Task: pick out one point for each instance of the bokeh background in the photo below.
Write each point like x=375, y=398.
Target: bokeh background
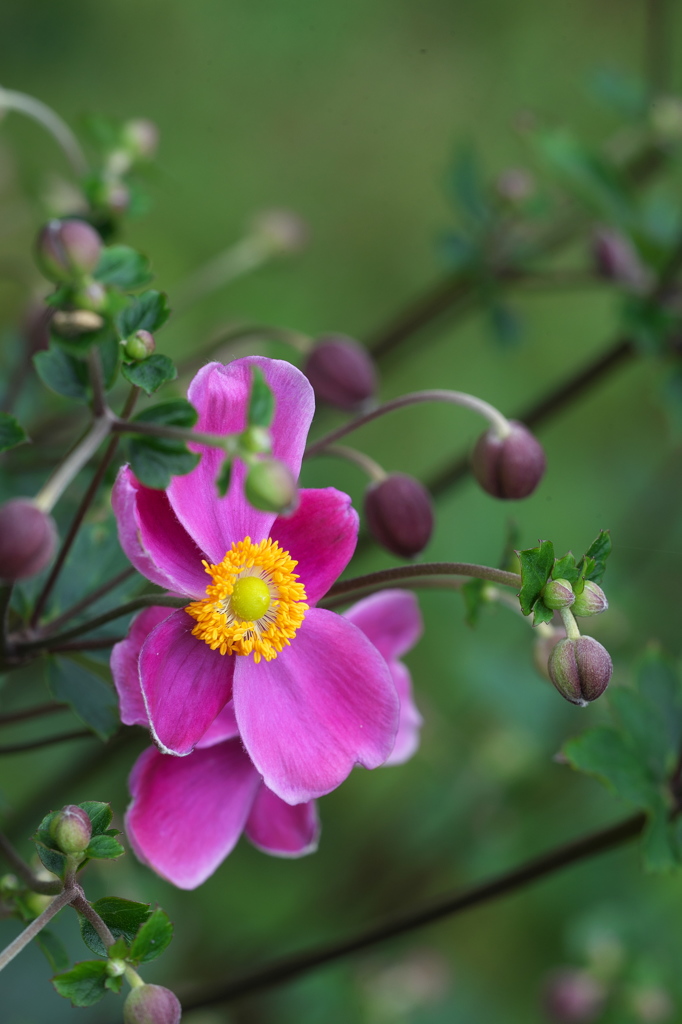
x=351, y=114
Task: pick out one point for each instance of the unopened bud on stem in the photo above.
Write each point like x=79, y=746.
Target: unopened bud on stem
x=399, y=514
x=140, y=345
x=558, y=594
x=68, y=250
x=151, y=1004
x=592, y=601
x=28, y=537
x=580, y=669
x=341, y=372
x=71, y=829
x=510, y=466
x=271, y=487
x=141, y=138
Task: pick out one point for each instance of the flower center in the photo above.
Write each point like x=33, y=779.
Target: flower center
x=254, y=603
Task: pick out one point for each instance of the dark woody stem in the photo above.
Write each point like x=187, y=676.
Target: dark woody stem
x=90, y=599
x=406, y=572
x=532, y=871
x=18, y=864
x=47, y=741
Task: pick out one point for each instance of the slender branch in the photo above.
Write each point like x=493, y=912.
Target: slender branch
x=44, y=115
x=81, y=905
x=99, y=644
x=47, y=741
x=18, y=864
x=92, y=598
x=35, y=712
x=373, y=470
x=532, y=871
x=35, y=927
x=405, y=572
x=73, y=463
x=226, y=441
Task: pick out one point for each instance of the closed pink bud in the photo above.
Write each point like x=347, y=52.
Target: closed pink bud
x=573, y=997
x=140, y=345
x=509, y=467
x=28, y=537
x=592, y=601
x=141, y=137
x=68, y=250
x=71, y=829
x=617, y=260
x=399, y=514
x=151, y=1004
x=341, y=372
x=580, y=669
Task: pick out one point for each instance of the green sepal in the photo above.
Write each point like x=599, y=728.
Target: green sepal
x=100, y=815
x=536, y=566
x=105, y=847
x=222, y=481
x=152, y=939
x=149, y=374
x=593, y=563
x=473, y=593
x=115, y=983
x=565, y=568
x=90, y=698
x=11, y=432
x=123, y=268
x=541, y=613
x=53, y=949
x=124, y=918
x=146, y=312
x=261, y=401
x=85, y=984
x=48, y=851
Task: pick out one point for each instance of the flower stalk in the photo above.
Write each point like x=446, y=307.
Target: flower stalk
x=51, y=122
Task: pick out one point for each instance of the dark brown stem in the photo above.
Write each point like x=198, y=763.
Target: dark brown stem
x=99, y=644
x=90, y=599
x=35, y=712
x=22, y=748
x=18, y=864
x=532, y=871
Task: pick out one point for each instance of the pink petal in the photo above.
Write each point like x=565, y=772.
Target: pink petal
x=220, y=394
x=153, y=539
x=326, y=703
x=125, y=668
x=390, y=619
x=188, y=813
x=184, y=683
x=282, y=830
x=224, y=727
x=321, y=535
x=407, y=740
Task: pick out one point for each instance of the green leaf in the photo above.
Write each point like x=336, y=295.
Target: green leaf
x=11, y=432
x=119, y=950
x=114, y=983
x=177, y=412
x=659, y=843
x=473, y=593
x=124, y=918
x=469, y=187
x=62, y=373
x=604, y=752
x=541, y=613
x=599, y=550
x=54, y=949
x=146, y=312
x=104, y=848
x=644, y=727
x=124, y=268
x=658, y=680
x=155, y=461
x=222, y=481
x=565, y=568
x=261, y=401
x=536, y=566
x=85, y=984
x=151, y=373
x=100, y=815
x=52, y=858
x=88, y=696
x=152, y=939
x=110, y=352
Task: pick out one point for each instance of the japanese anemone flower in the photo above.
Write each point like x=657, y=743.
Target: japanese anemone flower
x=187, y=813
x=311, y=695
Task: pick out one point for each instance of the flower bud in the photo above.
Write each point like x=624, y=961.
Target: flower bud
x=580, y=669
x=271, y=487
x=514, y=185
x=141, y=137
x=151, y=1004
x=399, y=514
x=592, y=601
x=91, y=297
x=140, y=345
x=511, y=466
x=28, y=537
x=558, y=594
x=71, y=829
x=617, y=260
x=341, y=372
x=68, y=250
x=283, y=230
x=573, y=997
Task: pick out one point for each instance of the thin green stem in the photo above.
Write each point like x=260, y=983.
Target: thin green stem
x=406, y=572
x=81, y=905
x=18, y=864
x=51, y=492
x=498, y=422
x=45, y=116
x=34, y=928
x=373, y=470
x=570, y=625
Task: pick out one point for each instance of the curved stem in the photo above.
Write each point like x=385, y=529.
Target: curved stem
x=47, y=741
x=406, y=572
x=374, y=471
x=499, y=423
x=44, y=115
x=570, y=625
x=35, y=712
x=81, y=905
x=51, y=492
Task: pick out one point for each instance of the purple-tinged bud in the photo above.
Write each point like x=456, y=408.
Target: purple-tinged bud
x=558, y=594
x=509, y=467
x=341, y=372
x=616, y=259
x=140, y=345
x=573, y=997
x=68, y=250
x=271, y=487
x=283, y=230
x=28, y=537
x=92, y=297
x=141, y=137
x=71, y=829
x=151, y=1004
x=515, y=185
x=399, y=514
x=580, y=669
x=592, y=601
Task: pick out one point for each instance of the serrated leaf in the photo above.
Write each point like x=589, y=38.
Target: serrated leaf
x=88, y=696
x=177, y=412
x=124, y=918
x=565, y=568
x=146, y=312
x=85, y=984
x=536, y=566
x=104, y=848
x=605, y=753
x=123, y=267
x=541, y=613
x=151, y=373
x=153, y=938
x=598, y=551
x=11, y=432
x=222, y=481
x=62, y=373
x=261, y=401
x=100, y=815
x=473, y=594
x=53, y=949
x=156, y=461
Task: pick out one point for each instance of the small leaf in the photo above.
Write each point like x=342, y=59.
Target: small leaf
x=598, y=551
x=605, y=753
x=152, y=939
x=85, y=984
x=536, y=566
x=565, y=568
x=146, y=312
x=114, y=983
x=52, y=858
x=469, y=187
x=104, y=848
x=11, y=432
x=541, y=613
x=119, y=950
x=222, y=481
x=62, y=373
x=155, y=461
x=54, y=949
x=110, y=352
x=658, y=680
x=659, y=845
x=88, y=696
x=100, y=815
x=124, y=268
x=261, y=401
x=174, y=413
x=124, y=918
x=473, y=594
x=506, y=325
x=151, y=373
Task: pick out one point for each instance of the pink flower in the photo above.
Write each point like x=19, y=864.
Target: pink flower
x=187, y=813
x=310, y=695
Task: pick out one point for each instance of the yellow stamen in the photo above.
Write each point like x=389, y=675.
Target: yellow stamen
x=254, y=604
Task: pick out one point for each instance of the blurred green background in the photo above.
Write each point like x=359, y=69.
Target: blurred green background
x=350, y=114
